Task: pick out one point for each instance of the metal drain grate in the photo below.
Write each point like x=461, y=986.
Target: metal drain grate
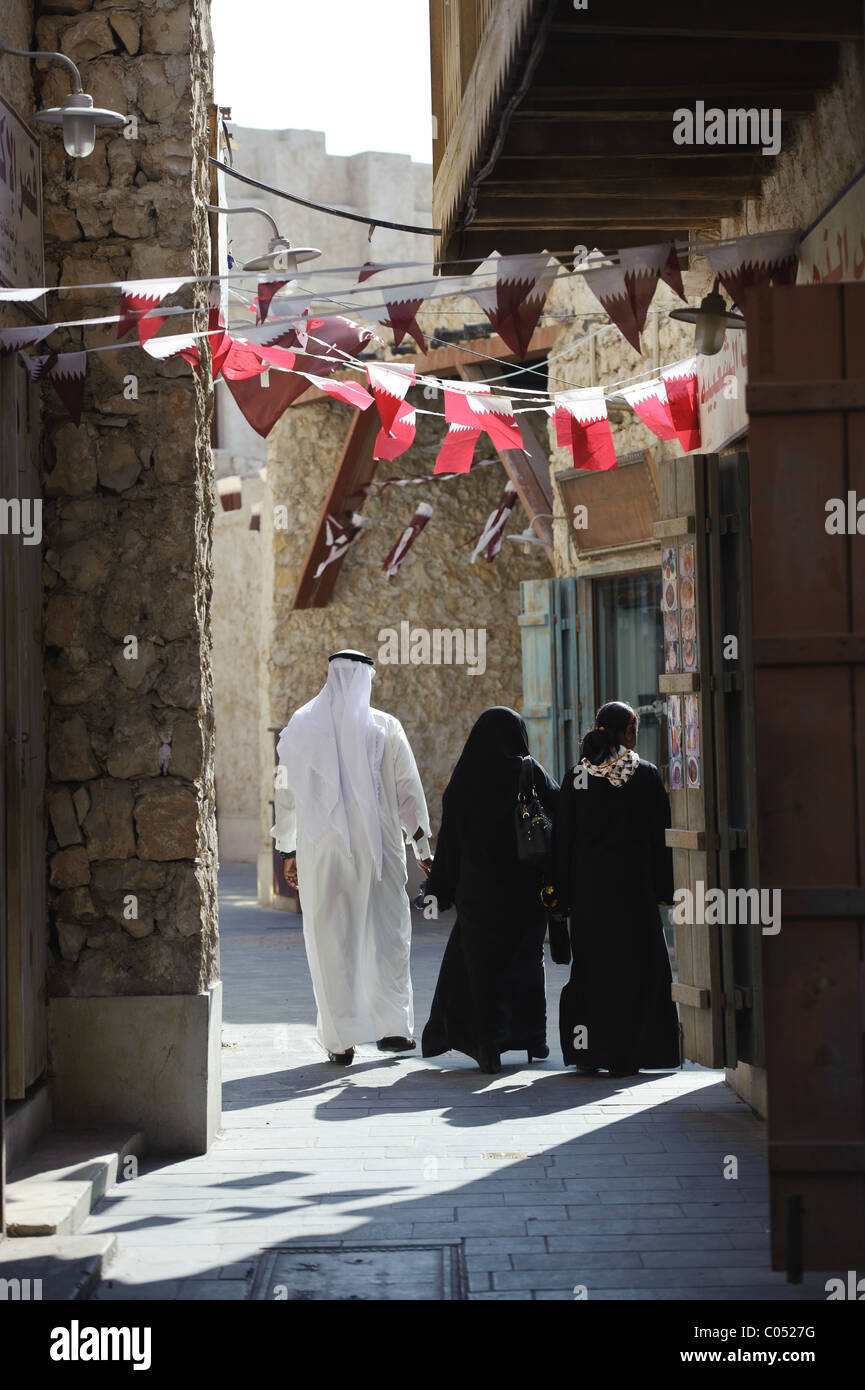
x=378, y=1273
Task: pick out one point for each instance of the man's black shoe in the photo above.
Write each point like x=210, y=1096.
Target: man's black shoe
x=396, y=1044
x=342, y=1059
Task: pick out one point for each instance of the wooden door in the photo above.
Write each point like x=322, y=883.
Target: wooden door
x=549, y=631
x=24, y=879
x=806, y=402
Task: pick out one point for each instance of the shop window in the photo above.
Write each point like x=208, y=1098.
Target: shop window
x=629, y=655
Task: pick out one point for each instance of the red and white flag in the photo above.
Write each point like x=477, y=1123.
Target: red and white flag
x=390, y=387
x=458, y=446
x=66, y=372
x=680, y=381
x=138, y=298
x=756, y=260
x=649, y=401
x=478, y=408
x=391, y=443
x=266, y=290
x=351, y=392
x=401, y=320
x=14, y=339
x=582, y=425
x=644, y=266
x=40, y=367
x=516, y=301
x=609, y=285
x=399, y=551
x=339, y=534
x=489, y=541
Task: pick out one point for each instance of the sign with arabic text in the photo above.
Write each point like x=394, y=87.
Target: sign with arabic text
x=721, y=382
x=21, y=255
x=834, y=249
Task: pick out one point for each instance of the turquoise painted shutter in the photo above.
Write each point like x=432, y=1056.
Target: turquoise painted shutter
x=548, y=631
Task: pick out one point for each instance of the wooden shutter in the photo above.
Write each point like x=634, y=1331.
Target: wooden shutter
x=806, y=402
x=549, y=627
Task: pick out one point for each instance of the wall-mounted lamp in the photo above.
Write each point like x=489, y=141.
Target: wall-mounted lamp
x=77, y=117
x=713, y=318
x=280, y=255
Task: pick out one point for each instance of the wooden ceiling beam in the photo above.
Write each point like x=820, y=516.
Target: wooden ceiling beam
x=604, y=139
x=559, y=211
x=831, y=21
x=694, y=64
x=694, y=165
x=685, y=189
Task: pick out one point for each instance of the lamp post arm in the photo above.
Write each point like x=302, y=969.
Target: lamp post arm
x=57, y=58
x=214, y=207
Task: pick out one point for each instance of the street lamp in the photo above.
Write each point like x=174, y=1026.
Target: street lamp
x=280, y=255
x=713, y=318
x=77, y=117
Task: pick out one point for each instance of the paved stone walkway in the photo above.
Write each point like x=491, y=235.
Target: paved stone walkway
x=531, y=1183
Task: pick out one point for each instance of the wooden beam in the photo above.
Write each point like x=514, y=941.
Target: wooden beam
x=830, y=21
x=602, y=139
x=531, y=209
x=688, y=63
x=529, y=472
x=597, y=189
x=704, y=162
x=356, y=467
x=475, y=246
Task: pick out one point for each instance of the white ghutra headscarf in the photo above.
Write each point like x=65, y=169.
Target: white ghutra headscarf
x=332, y=750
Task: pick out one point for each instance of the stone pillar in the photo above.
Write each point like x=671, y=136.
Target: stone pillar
x=134, y=998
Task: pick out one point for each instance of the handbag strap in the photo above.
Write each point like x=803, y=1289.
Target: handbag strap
x=527, y=778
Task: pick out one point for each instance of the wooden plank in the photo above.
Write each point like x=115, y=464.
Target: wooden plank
x=354, y=468
x=796, y=20
x=673, y=526
x=655, y=62
x=690, y=995
x=810, y=649
x=775, y=397
x=530, y=207
x=678, y=682
x=685, y=839
x=621, y=186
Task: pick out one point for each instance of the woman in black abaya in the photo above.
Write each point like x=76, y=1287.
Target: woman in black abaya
x=613, y=867
x=490, y=995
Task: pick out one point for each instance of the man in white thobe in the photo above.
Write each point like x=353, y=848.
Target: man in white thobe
x=350, y=789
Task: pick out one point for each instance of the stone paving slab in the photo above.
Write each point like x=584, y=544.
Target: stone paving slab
x=543, y=1179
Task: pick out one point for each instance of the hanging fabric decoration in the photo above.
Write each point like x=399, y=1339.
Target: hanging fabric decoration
x=479, y=408
x=338, y=535
x=14, y=339
x=183, y=345
x=582, y=425
x=643, y=267
x=255, y=517
x=489, y=542
x=399, y=551
x=261, y=405
x=137, y=300
x=649, y=401
x=680, y=381
x=756, y=260
x=401, y=320
x=390, y=387
x=516, y=302
x=609, y=285
x=266, y=290
x=66, y=372
x=244, y=361
x=230, y=492
x=351, y=392
x=217, y=334
x=458, y=446
x=391, y=443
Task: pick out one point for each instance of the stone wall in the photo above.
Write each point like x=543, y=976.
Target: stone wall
x=128, y=523
x=436, y=587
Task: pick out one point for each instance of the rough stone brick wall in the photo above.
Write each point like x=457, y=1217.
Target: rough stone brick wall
x=128, y=521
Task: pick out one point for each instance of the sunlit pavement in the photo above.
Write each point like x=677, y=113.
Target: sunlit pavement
x=404, y=1178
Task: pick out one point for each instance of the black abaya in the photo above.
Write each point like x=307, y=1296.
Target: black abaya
x=490, y=996
x=613, y=868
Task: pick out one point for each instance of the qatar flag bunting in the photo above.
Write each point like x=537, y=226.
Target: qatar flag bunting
x=756, y=260
x=401, y=320
x=458, y=446
x=338, y=535
x=13, y=339
x=243, y=361
x=680, y=381
x=230, y=492
x=482, y=410
x=39, y=367
x=67, y=378
x=217, y=334
x=389, y=386
x=649, y=401
x=643, y=267
x=516, y=302
x=609, y=285
x=391, y=443
x=582, y=426
x=274, y=356
x=351, y=392
x=490, y=540
x=399, y=551
x=266, y=290
x=255, y=517
x=137, y=299
x=335, y=340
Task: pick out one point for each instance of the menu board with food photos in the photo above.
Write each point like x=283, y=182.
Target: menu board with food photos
x=674, y=738
x=692, y=740
x=670, y=608
x=688, y=605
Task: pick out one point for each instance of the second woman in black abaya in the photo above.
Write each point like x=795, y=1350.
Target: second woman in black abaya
x=490, y=997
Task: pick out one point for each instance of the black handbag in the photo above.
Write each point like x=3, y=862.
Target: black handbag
x=534, y=827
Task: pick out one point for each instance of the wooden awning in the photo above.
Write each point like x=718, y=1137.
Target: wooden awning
x=564, y=134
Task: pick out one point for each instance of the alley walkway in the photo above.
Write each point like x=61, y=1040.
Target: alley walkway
x=426, y=1180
